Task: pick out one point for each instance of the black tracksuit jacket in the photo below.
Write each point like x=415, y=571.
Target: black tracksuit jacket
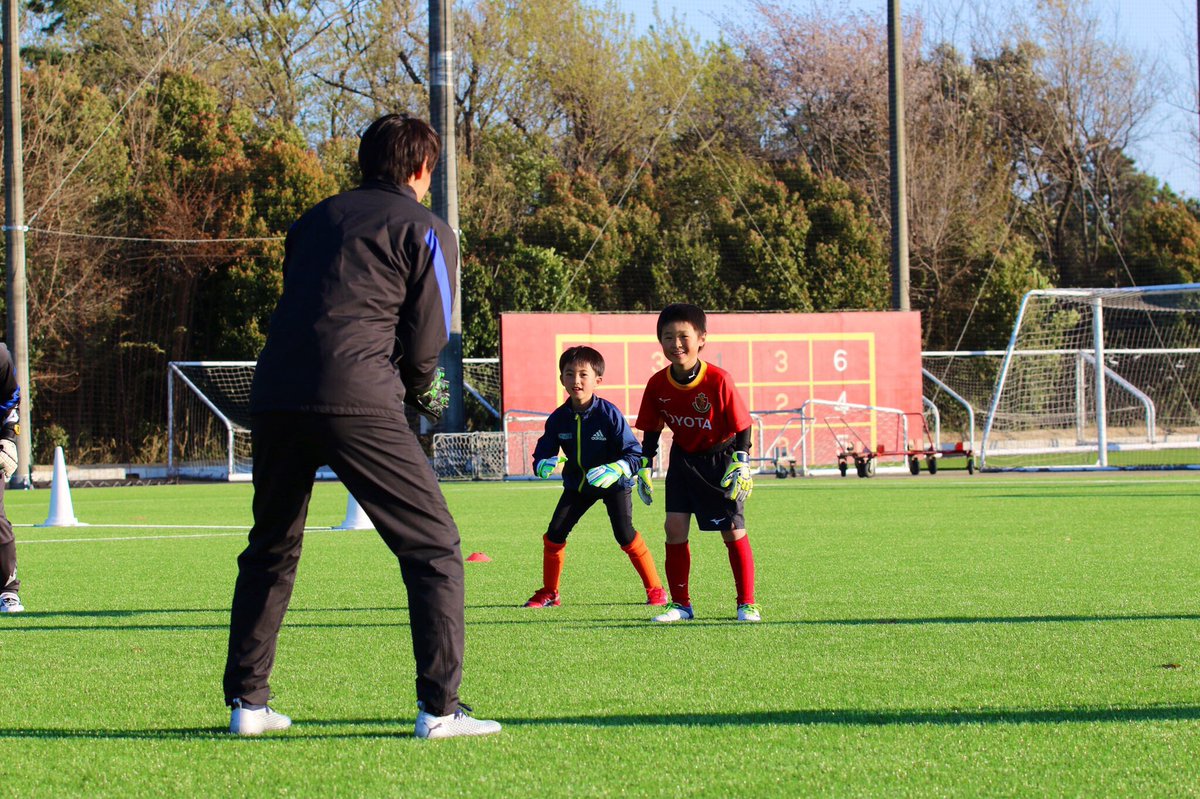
x=368, y=282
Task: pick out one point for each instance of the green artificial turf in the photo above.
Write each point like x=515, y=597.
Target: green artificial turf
x=923, y=636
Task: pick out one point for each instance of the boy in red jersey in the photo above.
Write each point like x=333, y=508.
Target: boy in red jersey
x=709, y=474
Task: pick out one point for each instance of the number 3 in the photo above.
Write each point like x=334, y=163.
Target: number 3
x=781, y=364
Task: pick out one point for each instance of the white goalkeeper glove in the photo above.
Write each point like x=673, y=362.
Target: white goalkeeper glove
x=546, y=466
x=737, y=482
x=645, y=483
x=8, y=458
x=604, y=476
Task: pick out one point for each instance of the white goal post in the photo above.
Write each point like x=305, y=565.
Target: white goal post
x=1099, y=378
x=208, y=419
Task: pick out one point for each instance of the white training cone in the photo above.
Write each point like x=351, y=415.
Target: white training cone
x=62, y=514
x=356, y=517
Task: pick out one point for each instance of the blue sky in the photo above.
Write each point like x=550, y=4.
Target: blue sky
x=1160, y=30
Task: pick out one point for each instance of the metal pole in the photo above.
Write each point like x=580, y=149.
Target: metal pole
x=900, y=300
x=14, y=237
x=444, y=190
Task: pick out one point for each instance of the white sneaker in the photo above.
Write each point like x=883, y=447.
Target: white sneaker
x=749, y=612
x=676, y=612
x=452, y=726
x=255, y=722
x=10, y=603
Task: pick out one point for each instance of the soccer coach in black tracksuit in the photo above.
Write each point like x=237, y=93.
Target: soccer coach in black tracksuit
x=368, y=279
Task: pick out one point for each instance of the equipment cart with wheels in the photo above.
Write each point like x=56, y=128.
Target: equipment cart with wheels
x=913, y=444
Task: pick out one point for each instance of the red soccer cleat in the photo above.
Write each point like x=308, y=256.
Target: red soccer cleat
x=656, y=596
x=543, y=598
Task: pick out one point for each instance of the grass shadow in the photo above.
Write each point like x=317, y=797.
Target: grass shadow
x=853, y=717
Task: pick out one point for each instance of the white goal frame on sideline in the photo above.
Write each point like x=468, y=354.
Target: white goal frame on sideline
x=230, y=470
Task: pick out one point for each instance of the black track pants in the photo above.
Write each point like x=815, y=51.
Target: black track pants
x=381, y=463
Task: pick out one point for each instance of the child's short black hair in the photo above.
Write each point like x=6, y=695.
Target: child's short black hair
x=683, y=312
x=585, y=355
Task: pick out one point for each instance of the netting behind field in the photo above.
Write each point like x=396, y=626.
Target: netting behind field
x=1048, y=410
x=959, y=385
x=481, y=392
x=209, y=419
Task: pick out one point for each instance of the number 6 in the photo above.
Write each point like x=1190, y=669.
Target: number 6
x=839, y=360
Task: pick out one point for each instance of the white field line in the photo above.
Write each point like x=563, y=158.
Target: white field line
x=243, y=531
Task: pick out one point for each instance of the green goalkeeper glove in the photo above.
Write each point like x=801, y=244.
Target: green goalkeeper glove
x=604, y=476
x=546, y=466
x=737, y=482
x=436, y=398
x=645, y=483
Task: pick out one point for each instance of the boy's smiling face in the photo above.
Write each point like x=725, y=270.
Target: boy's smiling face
x=681, y=344
x=580, y=381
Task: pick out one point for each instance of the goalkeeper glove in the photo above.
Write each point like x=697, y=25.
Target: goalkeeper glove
x=604, y=476
x=8, y=458
x=645, y=484
x=436, y=398
x=737, y=481
x=546, y=466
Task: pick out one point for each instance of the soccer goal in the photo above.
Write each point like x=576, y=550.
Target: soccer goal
x=1099, y=378
x=208, y=419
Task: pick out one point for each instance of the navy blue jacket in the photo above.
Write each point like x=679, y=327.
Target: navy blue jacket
x=10, y=394
x=597, y=436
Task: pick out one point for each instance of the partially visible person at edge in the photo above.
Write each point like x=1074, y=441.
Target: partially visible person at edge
x=368, y=277
x=10, y=396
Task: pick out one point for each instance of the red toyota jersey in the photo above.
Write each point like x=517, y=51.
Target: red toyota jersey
x=701, y=414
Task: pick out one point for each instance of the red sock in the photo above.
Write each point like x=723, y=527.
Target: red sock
x=643, y=561
x=741, y=560
x=678, y=566
x=552, y=563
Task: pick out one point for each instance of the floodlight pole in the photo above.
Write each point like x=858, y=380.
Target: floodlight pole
x=900, y=283
x=14, y=238
x=444, y=191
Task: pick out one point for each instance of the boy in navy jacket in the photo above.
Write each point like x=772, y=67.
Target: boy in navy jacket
x=601, y=459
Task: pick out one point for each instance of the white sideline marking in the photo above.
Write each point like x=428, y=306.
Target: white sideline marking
x=243, y=532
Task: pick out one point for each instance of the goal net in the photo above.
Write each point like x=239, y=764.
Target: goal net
x=208, y=410
x=1099, y=378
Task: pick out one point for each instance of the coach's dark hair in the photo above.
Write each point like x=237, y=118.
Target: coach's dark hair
x=683, y=312
x=586, y=355
x=395, y=147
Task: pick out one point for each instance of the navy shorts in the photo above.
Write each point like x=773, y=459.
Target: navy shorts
x=694, y=486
